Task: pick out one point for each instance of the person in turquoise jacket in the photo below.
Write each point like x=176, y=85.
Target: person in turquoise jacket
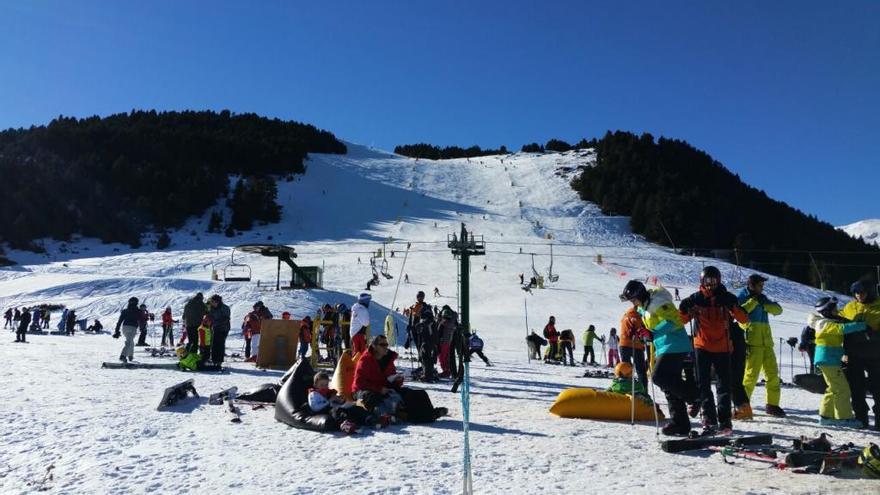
x=759, y=338
x=671, y=347
x=830, y=327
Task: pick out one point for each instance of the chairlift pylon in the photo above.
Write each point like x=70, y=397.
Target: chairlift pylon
x=236, y=272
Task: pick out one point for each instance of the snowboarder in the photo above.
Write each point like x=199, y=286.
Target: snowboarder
x=360, y=322
x=863, y=354
x=24, y=321
x=613, y=348
x=632, y=345
x=761, y=355
x=168, y=322
x=193, y=312
x=589, y=337
x=221, y=316
x=552, y=337
x=831, y=328
x=566, y=343
x=711, y=308
x=475, y=346
x=671, y=346
x=129, y=319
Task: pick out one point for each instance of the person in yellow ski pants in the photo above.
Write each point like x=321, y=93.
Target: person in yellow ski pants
x=761, y=356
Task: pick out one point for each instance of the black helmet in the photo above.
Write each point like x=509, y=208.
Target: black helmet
x=710, y=272
x=825, y=305
x=634, y=290
x=132, y=301
x=420, y=294
x=858, y=287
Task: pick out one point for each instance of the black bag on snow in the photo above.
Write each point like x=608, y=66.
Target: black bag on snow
x=417, y=405
x=267, y=392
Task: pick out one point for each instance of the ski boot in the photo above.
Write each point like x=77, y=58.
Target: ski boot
x=674, y=429
x=693, y=410
x=743, y=413
x=774, y=411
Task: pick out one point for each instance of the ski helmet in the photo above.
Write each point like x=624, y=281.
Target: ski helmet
x=181, y=352
x=710, y=272
x=634, y=289
x=826, y=305
x=132, y=300
x=420, y=294
x=623, y=370
x=869, y=459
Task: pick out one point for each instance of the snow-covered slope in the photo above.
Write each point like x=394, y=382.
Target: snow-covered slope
x=869, y=230
x=101, y=430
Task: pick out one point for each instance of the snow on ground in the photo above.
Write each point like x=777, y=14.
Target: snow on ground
x=869, y=230
x=101, y=431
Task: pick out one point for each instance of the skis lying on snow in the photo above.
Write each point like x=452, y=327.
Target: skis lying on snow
x=227, y=396
x=176, y=393
x=685, y=444
x=799, y=461
x=598, y=374
x=147, y=366
x=217, y=398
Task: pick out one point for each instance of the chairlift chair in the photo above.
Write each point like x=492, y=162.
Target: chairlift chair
x=236, y=272
x=550, y=275
x=384, y=269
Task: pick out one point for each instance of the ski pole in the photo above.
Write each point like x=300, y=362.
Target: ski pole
x=632, y=391
x=780, y=358
x=654, y=400
x=526, y=306
x=791, y=363
x=806, y=368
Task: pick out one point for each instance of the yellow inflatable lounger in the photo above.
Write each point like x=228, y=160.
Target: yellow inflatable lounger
x=588, y=403
x=343, y=377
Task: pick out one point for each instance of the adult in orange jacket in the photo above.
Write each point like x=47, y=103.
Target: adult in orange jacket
x=711, y=309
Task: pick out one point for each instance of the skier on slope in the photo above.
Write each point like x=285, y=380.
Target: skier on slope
x=168, y=322
x=193, y=312
x=23, y=321
x=863, y=351
x=129, y=319
x=221, y=316
x=475, y=346
x=761, y=355
x=711, y=308
x=671, y=346
x=831, y=328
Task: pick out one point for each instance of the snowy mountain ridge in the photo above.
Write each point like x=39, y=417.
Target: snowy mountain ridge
x=868, y=229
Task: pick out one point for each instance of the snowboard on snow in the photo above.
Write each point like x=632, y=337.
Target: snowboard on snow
x=686, y=444
x=598, y=374
x=176, y=393
x=218, y=398
x=810, y=382
x=143, y=366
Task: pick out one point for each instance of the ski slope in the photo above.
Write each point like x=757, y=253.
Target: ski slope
x=869, y=230
x=101, y=432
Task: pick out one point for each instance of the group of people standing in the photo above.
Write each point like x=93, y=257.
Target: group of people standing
x=561, y=345
x=36, y=319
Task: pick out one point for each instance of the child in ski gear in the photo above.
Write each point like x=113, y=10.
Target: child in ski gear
x=305, y=336
x=613, y=346
x=808, y=345
x=632, y=345
x=761, y=355
x=142, y=325
x=589, y=337
x=475, y=346
x=360, y=322
x=168, y=327
x=206, y=335
x=23, y=321
x=711, y=309
x=830, y=327
x=129, y=319
x=623, y=383
x=863, y=351
x=251, y=326
x=671, y=345
x=566, y=346
x=323, y=399
x=552, y=337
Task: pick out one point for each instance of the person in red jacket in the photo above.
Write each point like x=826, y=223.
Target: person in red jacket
x=168, y=327
x=305, y=336
x=552, y=337
x=376, y=380
x=711, y=309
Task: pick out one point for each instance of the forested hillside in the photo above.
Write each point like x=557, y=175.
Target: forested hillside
x=118, y=176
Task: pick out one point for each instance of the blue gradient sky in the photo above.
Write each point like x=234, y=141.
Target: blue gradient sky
x=787, y=95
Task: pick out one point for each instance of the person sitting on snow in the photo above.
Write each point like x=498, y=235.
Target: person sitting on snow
x=376, y=381
x=323, y=399
x=623, y=383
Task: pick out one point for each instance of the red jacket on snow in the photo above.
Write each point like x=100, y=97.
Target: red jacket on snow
x=551, y=334
x=369, y=376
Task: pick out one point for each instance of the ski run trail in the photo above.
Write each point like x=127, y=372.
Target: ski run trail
x=102, y=433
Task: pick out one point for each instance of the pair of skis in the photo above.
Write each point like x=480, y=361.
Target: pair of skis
x=807, y=462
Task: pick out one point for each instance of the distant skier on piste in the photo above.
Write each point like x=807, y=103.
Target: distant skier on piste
x=552, y=336
x=23, y=322
x=129, y=319
x=711, y=309
x=671, y=345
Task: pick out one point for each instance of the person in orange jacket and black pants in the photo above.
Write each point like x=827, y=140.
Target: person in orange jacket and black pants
x=632, y=345
x=711, y=308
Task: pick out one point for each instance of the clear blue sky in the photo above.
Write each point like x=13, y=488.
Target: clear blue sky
x=784, y=93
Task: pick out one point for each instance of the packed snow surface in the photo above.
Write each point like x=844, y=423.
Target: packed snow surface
x=102, y=433
x=869, y=230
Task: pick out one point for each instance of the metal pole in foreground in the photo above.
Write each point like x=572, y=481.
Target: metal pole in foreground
x=528, y=349
x=464, y=247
